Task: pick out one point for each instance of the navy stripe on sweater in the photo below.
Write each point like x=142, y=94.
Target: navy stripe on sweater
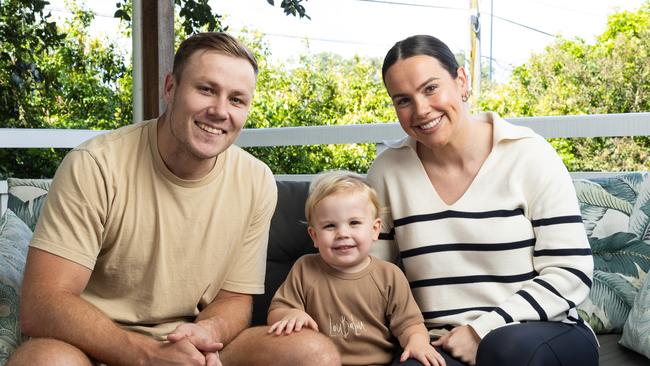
x=577, y=320
x=583, y=277
x=439, y=313
x=538, y=308
x=479, y=247
x=458, y=214
x=504, y=315
x=553, y=290
x=557, y=220
x=448, y=327
x=387, y=236
x=473, y=279
x=562, y=252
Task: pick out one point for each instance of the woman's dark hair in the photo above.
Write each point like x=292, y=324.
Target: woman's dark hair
x=421, y=45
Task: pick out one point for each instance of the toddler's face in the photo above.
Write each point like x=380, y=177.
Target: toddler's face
x=343, y=228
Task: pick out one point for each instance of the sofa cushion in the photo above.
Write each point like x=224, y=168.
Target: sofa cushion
x=288, y=241
x=616, y=215
x=26, y=198
x=14, y=239
x=636, y=333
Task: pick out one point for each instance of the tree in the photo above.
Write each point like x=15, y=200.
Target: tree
x=322, y=89
x=25, y=35
x=197, y=15
x=572, y=77
x=60, y=77
x=56, y=77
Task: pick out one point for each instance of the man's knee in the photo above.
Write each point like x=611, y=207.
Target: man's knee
x=302, y=348
x=47, y=351
x=317, y=349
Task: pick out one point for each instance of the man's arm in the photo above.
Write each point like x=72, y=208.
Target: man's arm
x=221, y=321
x=51, y=306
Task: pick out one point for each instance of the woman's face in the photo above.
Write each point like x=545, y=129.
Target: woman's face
x=427, y=99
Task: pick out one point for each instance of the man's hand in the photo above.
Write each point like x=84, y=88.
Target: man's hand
x=293, y=321
x=182, y=352
x=462, y=343
x=201, y=339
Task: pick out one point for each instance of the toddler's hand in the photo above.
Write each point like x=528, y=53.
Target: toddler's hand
x=293, y=321
x=423, y=352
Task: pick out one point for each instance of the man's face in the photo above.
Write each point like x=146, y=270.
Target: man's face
x=209, y=104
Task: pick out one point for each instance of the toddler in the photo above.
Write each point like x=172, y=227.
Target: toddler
x=360, y=302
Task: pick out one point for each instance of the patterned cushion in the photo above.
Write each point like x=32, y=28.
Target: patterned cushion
x=616, y=215
x=14, y=238
x=26, y=198
x=636, y=333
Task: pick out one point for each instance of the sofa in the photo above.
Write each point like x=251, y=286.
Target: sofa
x=615, y=210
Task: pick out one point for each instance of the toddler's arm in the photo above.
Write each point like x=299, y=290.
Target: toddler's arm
x=289, y=320
x=415, y=341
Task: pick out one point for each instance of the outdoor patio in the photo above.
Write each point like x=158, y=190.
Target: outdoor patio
x=603, y=125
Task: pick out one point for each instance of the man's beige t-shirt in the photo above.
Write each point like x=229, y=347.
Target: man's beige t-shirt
x=159, y=247
x=362, y=312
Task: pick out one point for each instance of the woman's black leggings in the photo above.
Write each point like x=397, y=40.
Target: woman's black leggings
x=532, y=344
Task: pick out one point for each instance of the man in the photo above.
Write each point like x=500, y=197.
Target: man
x=153, y=237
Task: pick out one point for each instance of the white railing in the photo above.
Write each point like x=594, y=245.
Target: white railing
x=598, y=125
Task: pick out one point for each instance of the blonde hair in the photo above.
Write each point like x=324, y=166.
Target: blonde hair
x=336, y=181
x=220, y=42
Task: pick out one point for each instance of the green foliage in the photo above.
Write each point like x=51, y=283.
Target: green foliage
x=614, y=295
x=292, y=7
x=61, y=77
x=25, y=35
x=321, y=89
x=72, y=81
x=621, y=252
x=572, y=77
x=197, y=16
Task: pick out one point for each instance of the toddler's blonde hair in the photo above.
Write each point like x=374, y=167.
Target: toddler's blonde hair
x=335, y=181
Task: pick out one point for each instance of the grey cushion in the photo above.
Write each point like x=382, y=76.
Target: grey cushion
x=14, y=239
x=636, y=333
x=288, y=241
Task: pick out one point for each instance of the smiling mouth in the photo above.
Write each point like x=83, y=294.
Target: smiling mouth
x=432, y=124
x=209, y=129
x=345, y=247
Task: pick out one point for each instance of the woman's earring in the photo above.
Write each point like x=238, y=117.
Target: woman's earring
x=464, y=98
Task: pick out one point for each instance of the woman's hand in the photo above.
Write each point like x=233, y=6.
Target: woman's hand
x=462, y=343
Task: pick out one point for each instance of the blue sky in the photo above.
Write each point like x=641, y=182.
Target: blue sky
x=369, y=28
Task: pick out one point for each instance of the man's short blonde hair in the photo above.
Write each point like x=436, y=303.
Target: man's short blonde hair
x=336, y=181
x=219, y=42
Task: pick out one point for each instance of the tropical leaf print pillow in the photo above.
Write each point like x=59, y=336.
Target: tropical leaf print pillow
x=636, y=333
x=26, y=198
x=616, y=215
x=14, y=238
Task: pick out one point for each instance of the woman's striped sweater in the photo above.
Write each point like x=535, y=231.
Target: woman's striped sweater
x=513, y=248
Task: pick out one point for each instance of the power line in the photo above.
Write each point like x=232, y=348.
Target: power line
x=323, y=39
x=455, y=8
x=411, y=4
x=522, y=25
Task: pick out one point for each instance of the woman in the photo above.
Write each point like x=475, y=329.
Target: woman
x=485, y=219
